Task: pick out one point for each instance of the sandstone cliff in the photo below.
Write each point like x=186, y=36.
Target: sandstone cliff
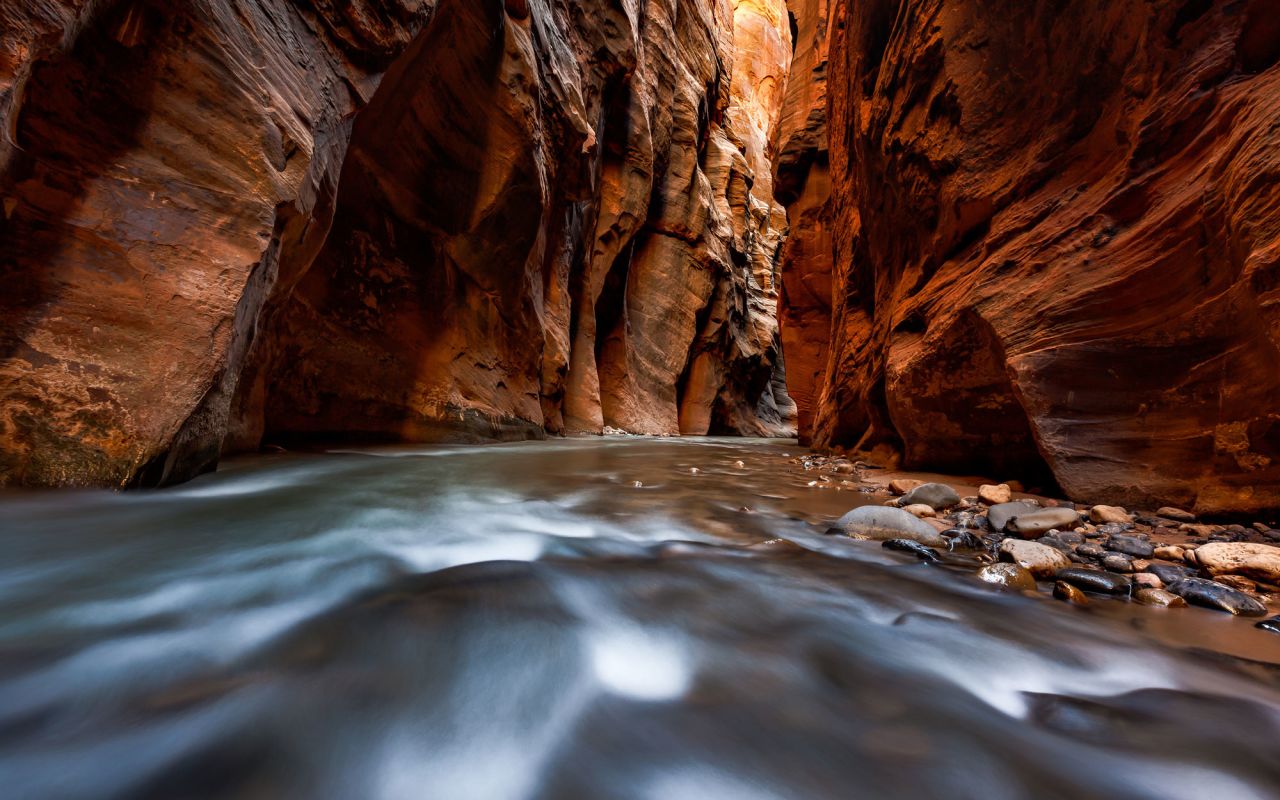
x=407, y=219
x=1054, y=242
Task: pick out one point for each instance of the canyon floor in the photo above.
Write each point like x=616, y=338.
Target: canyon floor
x=622, y=617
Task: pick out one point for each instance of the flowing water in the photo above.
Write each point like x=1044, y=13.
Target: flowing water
x=578, y=619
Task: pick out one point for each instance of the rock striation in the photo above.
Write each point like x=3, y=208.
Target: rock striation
x=1041, y=237
x=284, y=220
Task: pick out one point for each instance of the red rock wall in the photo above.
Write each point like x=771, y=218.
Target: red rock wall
x=410, y=219
x=1055, y=243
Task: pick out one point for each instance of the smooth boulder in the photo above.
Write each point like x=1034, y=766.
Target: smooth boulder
x=1103, y=514
x=885, y=522
x=1038, y=523
x=1209, y=594
x=933, y=495
x=999, y=515
x=1258, y=561
x=1040, y=560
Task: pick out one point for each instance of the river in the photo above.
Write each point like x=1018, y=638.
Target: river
x=582, y=618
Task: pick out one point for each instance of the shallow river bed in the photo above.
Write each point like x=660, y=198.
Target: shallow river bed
x=579, y=619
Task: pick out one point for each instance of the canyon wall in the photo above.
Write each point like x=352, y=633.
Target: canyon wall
x=1052, y=241
x=278, y=220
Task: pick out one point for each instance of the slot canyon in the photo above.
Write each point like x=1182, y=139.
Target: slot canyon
x=640, y=398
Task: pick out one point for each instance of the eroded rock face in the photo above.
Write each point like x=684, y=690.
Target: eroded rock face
x=1055, y=231
x=411, y=219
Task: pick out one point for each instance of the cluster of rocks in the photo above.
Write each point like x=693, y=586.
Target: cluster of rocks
x=1165, y=559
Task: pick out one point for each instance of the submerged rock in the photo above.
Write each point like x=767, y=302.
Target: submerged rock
x=885, y=522
x=934, y=495
x=1095, y=580
x=1008, y=575
x=1040, y=559
x=1272, y=624
x=910, y=546
x=1209, y=594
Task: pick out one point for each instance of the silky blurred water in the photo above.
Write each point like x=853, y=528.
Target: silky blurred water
x=578, y=619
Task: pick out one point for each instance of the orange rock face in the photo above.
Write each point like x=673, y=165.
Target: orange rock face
x=1055, y=243
x=411, y=220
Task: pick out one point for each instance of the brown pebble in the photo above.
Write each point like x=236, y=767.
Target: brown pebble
x=1158, y=597
x=1067, y=592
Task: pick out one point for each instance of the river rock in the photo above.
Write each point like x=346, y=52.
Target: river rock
x=1169, y=573
x=1201, y=592
x=1175, y=514
x=1117, y=562
x=1272, y=624
x=1148, y=596
x=884, y=522
x=1101, y=514
x=1169, y=552
x=1091, y=550
x=1010, y=576
x=903, y=485
x=1130, y=546
x=913, y=547
x=1095, y=580
x=1038, y=523
x=994, y=495
x=920, y=510
x=1237, y=582
x=998, y=516
x=1257, y=561
x=1041, y=560
x=1065, y=591
x=1148, y=580
x=934, y=495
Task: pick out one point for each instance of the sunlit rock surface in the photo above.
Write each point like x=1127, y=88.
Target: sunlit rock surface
x=280, y=219
x=1054, y=232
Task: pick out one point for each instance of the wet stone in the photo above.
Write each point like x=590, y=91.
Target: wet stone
x=884, y=522
x=1043, y=561
x=1095, y=580
x=1148, y=596
x=1169, y=573
x=1130, y=546
x=913, y=547
x=1117, y=562
x=1010, y=576
x=1209, y=594
x=1272, y=624
x=1091, y=550
x=1065, y=591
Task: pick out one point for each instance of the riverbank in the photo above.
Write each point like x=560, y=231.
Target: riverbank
x=1077, y=553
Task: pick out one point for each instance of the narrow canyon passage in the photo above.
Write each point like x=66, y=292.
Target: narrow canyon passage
x=639, y=399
